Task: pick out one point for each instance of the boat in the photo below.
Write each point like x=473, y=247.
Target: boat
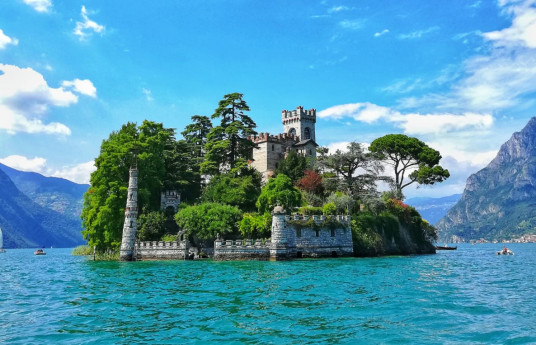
x=2, y=250
x=505, y=251
x=40, y=252
x=445, y=247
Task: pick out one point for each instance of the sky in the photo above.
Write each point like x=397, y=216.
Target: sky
x=458, y=75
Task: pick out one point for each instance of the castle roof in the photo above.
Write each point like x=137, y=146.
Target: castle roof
x=305, y=142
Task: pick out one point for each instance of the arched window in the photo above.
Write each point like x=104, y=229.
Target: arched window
x=306, y=133
x=292, y=131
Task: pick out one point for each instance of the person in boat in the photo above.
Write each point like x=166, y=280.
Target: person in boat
x=505, y=250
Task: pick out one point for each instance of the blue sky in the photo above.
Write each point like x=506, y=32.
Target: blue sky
x=459, y=75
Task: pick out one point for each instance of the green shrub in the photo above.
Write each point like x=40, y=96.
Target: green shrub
x=310, y=210
x=329, y=209
x=83, y=250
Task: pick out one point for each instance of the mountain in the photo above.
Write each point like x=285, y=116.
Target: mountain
x=57, y=194
x=433, y=209
x=499, y=201
x=26, y=223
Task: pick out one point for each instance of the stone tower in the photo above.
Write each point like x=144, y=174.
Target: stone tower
x=300, y=122
x=130, y=227
x=283, y=244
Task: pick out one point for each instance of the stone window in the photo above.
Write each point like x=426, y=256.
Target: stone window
x=272, y=147
x=332, y=232
x=292, y=131
x=317, y=233
x=298, y=232
x=306, y=133
x=276, y=165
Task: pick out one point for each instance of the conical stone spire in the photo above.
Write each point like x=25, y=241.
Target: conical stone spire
x=130, y=227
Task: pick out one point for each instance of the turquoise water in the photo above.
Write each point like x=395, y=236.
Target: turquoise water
x=466, y=296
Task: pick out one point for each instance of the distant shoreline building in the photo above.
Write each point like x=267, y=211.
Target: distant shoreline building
x=299, y=135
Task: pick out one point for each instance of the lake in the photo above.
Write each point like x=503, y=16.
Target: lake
x=470, y=296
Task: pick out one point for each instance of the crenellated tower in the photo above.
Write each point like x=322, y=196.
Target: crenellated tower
x=130, y=227
x=300, y=122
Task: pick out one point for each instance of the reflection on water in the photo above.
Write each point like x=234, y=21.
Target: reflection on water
x=470, y=295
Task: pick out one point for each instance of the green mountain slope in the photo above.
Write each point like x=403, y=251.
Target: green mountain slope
x=499, y=201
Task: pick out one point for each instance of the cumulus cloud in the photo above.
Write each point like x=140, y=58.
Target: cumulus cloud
x=79, y=173
x=411, y=123
x=523, y=29
x=26, y=97
x=87, y=27
x=39, y=5
x=36, y=164
x=6, y=40
x=84, y=87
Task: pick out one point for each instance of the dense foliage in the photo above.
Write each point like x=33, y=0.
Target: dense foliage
x=205, y=221
x=279, y=190
x=240, y=191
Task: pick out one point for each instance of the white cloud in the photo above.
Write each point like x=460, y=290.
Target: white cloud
x=523, y=29
x=6, y=40
x=14, y=122
x=36, y=164
x=39, y=5
x=352, y=24
x=411, y=123
x=79, y=173
x=148, y=94
x=418, y=34
x=335, y=9
x=381, y=33
x=84, y=87
x=26, y=97
x=87, y=26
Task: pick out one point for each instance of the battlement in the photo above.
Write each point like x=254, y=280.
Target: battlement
x=299, y=112
x=319, y=219
x=280, y=138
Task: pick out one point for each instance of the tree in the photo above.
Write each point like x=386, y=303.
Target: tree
x=205, y=221
x=254, y=225
x=152, y=226
x=240, y=191
x=311, y=182
x=356, y=170
x=228, y=147
x=279, y=189
x=293, y=166
x=104, y=202
x=412, y=160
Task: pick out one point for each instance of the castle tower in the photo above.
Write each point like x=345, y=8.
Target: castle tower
x=283, y=243
x=300, y=122
x=130, y=227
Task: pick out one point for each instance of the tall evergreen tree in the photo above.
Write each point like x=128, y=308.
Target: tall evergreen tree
x=227, y=147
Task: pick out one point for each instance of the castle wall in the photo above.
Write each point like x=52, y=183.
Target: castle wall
x=160, y=250
x=241, y=250
x=298, y=240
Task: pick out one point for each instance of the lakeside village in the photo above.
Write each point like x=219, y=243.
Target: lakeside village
x=228, y=192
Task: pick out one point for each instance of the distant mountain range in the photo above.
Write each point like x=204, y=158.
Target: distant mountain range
x=433, y=209
x=499, y=201
x=39, y=211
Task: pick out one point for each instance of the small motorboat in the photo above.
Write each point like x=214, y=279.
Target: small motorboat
x=40, y=252
x=505, y=251
x=445, y=247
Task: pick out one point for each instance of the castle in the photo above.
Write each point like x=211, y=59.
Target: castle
x=298, y=135
x=292, y=236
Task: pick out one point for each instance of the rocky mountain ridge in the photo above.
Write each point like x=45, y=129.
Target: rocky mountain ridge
x=499, y=201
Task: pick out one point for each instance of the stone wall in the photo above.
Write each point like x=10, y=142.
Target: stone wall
x=160, y=250
x=241, y=250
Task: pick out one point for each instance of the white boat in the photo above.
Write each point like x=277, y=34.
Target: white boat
x=2, y=250
x=505, y=251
